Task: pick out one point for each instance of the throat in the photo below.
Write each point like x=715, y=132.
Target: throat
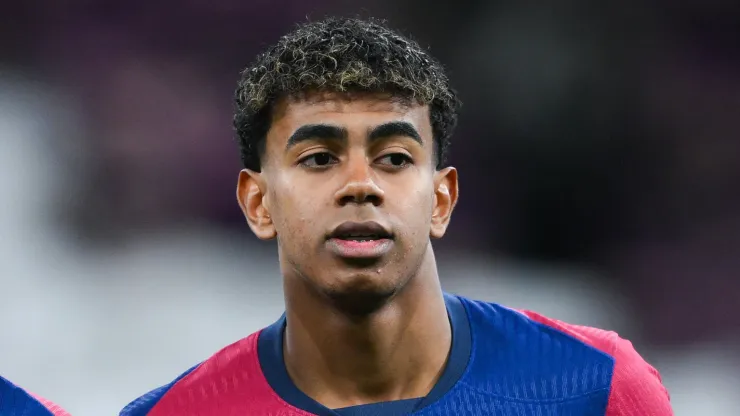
x=393, y=354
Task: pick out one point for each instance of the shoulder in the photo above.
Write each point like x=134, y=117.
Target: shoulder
x=143, y=404
x=53, y=408
x=529, y=328
x=15, y=400
x=634, y=386
x=511, y=348
x=603, y=340
x=220, y=369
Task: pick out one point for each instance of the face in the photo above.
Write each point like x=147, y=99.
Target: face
x=350, y=190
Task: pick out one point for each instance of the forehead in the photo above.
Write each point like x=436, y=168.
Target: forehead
x=352, y=111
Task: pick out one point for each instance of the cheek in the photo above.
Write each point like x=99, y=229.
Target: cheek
x=295, y=213
x=416, y=207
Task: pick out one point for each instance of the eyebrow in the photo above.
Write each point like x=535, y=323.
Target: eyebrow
x=316, y=132
x=393, y=129
x=336, y=133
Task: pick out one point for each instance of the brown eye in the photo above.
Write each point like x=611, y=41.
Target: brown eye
x=319, y=160
x=395, y=160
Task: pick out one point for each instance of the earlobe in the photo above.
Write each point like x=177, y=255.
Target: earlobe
x=445, y=199
x=251, y=193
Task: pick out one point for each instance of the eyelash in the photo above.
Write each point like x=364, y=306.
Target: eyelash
x=304, y=161
x=406, y=160
x=333, y=160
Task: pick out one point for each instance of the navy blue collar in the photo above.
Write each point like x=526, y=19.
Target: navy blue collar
x=270, y=352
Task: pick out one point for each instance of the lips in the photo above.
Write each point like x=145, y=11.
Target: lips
x=360, y=231
x=355, y=240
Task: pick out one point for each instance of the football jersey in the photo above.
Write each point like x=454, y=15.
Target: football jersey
x=502, y=362
x=14, y=401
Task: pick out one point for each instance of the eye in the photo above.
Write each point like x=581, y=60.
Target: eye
x=395, y=160
x=318, y=160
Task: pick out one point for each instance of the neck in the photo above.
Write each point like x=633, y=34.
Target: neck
x=397, y=352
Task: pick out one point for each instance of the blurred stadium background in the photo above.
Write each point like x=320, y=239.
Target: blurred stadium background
x=598, y=151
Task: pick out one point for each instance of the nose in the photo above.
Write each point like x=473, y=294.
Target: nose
x=360, y=186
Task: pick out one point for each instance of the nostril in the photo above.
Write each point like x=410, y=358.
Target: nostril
x=360, y=199
x=347, y=199
x=373, y=199
x=360, y=192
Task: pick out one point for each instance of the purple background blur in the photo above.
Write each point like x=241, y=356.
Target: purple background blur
x=596, y=136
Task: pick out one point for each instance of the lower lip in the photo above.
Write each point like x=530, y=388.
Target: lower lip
x=359, y=249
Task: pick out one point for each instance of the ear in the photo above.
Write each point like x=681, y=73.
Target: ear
x=445, y=199
x=251, y=192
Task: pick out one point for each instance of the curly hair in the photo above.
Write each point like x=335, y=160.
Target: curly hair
x=341, y=55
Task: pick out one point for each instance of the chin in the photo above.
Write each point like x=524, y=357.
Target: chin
x=361, y=294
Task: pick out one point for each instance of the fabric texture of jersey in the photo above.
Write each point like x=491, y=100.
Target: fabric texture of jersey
x=515, y=363
x=14, y=401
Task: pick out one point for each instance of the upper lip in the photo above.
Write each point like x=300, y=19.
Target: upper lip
x=361, y=229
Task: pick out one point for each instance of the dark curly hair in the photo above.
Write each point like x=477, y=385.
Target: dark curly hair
x=341, y=55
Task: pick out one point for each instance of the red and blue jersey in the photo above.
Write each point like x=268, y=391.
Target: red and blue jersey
x=502, y=362
x=14, y=401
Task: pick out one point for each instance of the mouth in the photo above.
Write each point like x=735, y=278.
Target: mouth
x=361, y=231
x=360, y=240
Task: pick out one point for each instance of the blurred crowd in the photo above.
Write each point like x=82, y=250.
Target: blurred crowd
x=597, y=148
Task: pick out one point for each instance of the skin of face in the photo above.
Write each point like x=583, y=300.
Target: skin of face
x=332, y=159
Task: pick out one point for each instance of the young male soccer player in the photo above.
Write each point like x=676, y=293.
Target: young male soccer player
x=16, y=401
x=344, y=126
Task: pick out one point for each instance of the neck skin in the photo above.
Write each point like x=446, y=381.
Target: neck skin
x=397, y=352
